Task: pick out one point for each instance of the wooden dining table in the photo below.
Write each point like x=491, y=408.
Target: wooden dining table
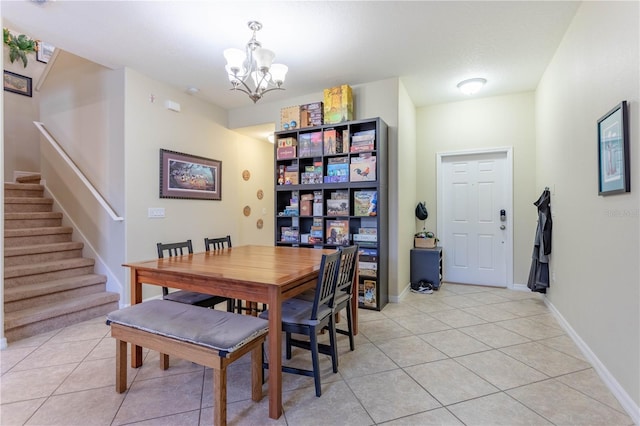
x=265, y=274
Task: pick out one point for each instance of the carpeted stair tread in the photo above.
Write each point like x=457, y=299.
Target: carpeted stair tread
x=30, y=232
x=53, y=286
x=23, y=186
x=41, y=248
x=27, y=200
x=34, y=178
x=32, y=215
x=47, y=267
x=48, y=284
x=64, y=307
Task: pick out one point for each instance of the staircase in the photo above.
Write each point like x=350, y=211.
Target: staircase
x=47, y=283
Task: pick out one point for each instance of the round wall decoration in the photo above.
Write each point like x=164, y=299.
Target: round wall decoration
x=260, y=194
x=246, y=174
x=246, y=210
x=259, y=224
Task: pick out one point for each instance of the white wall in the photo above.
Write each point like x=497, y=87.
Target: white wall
x=499, y=121
x=81, y=105
x=199, y=129
x=596, y=246
x=402, y=184
x=21, y=140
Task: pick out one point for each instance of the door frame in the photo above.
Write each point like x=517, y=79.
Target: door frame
x=508, y=150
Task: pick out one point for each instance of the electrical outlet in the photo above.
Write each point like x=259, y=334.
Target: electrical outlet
x=156, y=212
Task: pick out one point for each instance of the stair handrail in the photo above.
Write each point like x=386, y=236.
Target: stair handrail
x=78, y=172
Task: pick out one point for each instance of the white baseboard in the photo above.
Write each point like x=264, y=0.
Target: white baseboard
x=520, y=287
x=397, y=299
x=632, y=409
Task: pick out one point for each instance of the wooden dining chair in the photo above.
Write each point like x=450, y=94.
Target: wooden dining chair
x=345, y=288
x=183, y=296
x=309, y=318
x=217, y=243
x=220, y=243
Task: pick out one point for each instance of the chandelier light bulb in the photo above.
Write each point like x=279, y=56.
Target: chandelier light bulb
x=472, y=85
x=235, y=59
x=264, y=58
x=278, y=73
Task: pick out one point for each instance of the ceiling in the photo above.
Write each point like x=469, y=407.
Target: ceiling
x=430, y=45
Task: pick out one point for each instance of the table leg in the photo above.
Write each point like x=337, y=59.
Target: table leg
x=354, y=311
x=275, y=353
x=136, y=297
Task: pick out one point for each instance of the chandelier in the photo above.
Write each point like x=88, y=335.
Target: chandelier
x=251, y=71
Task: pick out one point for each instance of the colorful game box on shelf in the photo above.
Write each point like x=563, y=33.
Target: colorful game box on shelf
x=290, y=117
x=311, y=114
x=338, y=104
x=362, y=168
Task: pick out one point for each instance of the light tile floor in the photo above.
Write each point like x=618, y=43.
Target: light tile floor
x=464, y=355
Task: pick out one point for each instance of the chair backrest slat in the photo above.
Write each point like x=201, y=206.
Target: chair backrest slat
x=347, y=269
x=175, y=249
x=217, y=243
x=327, y=280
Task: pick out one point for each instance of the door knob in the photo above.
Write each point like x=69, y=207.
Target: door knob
x=503, y=227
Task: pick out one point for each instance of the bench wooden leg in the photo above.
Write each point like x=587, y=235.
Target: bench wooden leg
x=220, y=396
x=164, y=361
x=256, y=373
x=121, y=366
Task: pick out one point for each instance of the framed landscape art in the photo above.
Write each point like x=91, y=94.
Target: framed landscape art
x=189, y=176
x=16, y=83
x=614, y=176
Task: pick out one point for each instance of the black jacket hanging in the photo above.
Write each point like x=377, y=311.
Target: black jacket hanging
x=539, y=273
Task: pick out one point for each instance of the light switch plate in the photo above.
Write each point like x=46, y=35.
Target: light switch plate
x=156, y=211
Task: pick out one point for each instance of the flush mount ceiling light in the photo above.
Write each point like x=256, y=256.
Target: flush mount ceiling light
x=251, y=71
x=472, y=85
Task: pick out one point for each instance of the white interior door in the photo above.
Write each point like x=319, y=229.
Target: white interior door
x=474, y=189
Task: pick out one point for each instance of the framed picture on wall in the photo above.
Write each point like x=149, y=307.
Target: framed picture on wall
x=16, y=83
x=614, y=176
x=189, y=176
x=44, y=52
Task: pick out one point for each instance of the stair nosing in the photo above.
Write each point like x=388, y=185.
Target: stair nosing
x=34, y=249
x=24, y=186
x=38, y=231
x=47, y=267
x=30, y=200
x=37, y=314
x=32, y=215
x=46, y=287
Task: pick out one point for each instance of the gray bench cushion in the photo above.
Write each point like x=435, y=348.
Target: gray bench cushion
x=188, y=297
x=224, y=331
x=298, y=311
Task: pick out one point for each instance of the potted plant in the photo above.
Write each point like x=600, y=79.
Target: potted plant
x=19, y=46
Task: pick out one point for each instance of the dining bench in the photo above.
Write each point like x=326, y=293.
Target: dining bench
x=204, y=336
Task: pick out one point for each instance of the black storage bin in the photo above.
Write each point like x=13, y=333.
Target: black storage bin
x=426, y=265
